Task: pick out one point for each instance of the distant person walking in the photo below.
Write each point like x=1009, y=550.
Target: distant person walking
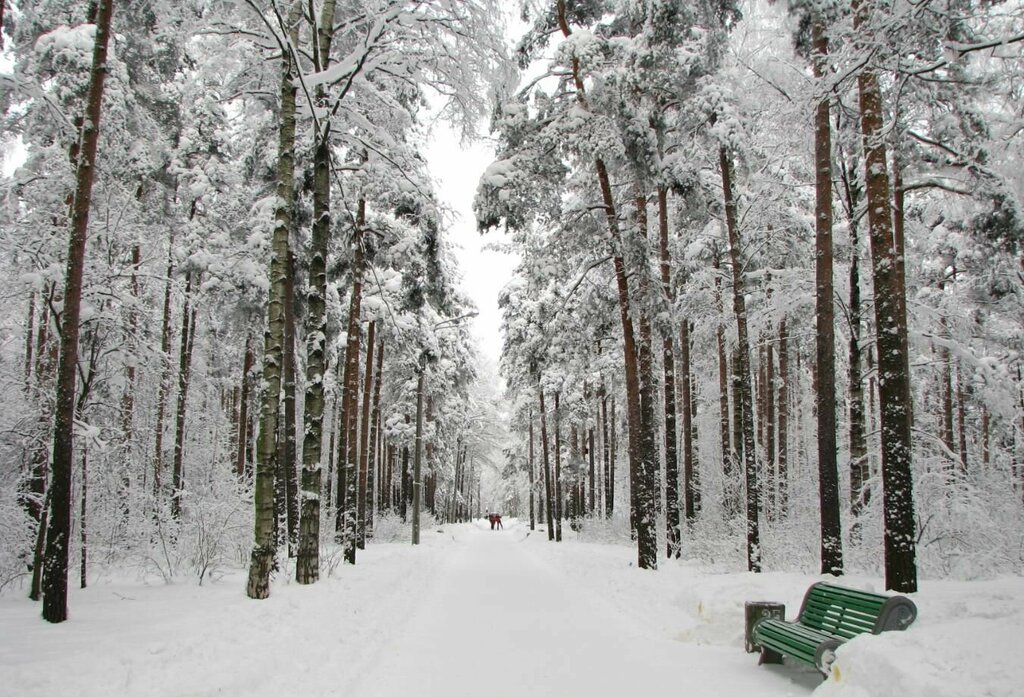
x=493, y=519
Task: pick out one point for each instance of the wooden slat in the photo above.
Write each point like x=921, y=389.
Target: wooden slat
x=793, y=640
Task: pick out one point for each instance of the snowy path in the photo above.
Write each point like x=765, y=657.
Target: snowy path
x=475, y=613
x=498, y=620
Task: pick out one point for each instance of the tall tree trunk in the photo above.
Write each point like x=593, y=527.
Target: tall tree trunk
x=29, y=337
x=35, y=592
x=558, y=471
x=341, y=425
x=769, y=425
x=307, y=565
x=730, y=503
x=46, y=348
x=591, y=471
x=737, y=419
x=860, y=494
x=288, y=469
x=548, y=503
x=429, y=488
x=55, y=572
x=406, y=484
x=695, y=436
x=825, y=394
x=986, y=452
x=607, y=454
x=782, y=470
x=83, y=527
x=890, y=319
x=264, y=549
x=243, y=408
x=687, y=397
x=759, y=376
x=417, y=467
x=672, y=533
x=533, y=517
x=128, y=396
x=165, y=376
x=188, y=327
x=960, y=418
x=375, y=429
x=648, y=494
x=946, y=366
x=742, y=365
x=646, y=532
x=365, y=491
x=352, y=386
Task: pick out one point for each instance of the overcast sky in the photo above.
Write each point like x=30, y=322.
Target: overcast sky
x=485, y=272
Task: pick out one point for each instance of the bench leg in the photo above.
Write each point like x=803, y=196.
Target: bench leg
x=769, y=656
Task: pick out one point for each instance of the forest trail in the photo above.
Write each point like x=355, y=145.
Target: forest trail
x=497, y=620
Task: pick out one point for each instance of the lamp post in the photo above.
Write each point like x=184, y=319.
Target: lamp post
x=417, y=463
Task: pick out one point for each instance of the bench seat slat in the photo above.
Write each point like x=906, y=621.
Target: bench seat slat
x=792, y=640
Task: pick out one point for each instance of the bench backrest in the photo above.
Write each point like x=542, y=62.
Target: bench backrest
x=847, y=612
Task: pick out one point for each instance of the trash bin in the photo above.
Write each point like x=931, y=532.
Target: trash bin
x=755, y=610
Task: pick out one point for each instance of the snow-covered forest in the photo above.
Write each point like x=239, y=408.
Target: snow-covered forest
x=766, y=323
x=785, y=244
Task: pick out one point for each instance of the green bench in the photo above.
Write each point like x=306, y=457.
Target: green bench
x=828, y=617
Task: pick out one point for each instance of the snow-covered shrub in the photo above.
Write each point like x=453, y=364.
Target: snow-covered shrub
x=16, y=538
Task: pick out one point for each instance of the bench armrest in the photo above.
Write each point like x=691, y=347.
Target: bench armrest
x=898, y=613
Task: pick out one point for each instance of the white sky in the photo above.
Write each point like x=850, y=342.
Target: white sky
x=485, y=271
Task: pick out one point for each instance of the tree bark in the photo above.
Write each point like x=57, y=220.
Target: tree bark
x=646, y=528
x=341, y=425
x=730, y=503
x=609, y=481
x=243, y=409
x=530, y=460
x=960, y=418
x=29, y=336
x=188, y=328
x=264, y=548
x=742, y=366
x=406, y=484
x=672, y=532
x=687, y=398
x=592, y=472
x=307, y=565
x=55, y=571
x=825, y=397
x=782, y=469
x=165, y=376
x=128, y=396
x=614, y=458
x=548, y=503
x=860, y=494
x=648, y=495
x=558, y=471
x=351, y=402
x=288, y=470
x=890, y=319
x=365, y=489
x=375, y=428
x=83, y=527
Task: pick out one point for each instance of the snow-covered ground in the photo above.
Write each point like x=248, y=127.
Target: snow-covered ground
x=476, y=612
